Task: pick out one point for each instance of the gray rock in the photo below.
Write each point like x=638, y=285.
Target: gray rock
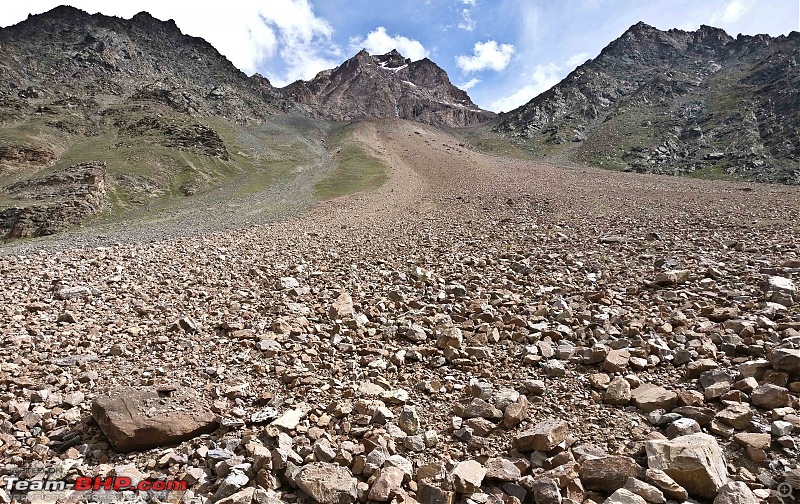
x=328, y=483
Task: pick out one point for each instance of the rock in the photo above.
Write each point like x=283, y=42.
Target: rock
x=409, y=420
x=430, y=493
x=648, y=397
x=645, y=490
x=478, y=408
x=737, y=415
x=663, y=482
x=554, y=368
x=288, y=420
x=342, y=308
x=234, y=482
x=695, y=462
x=468, y=476
x=545, y=491
x=328, y=483
x=671, y=277
x=618, y=392
x=387, y=485
x=623, y=496
x=769, y=396
x=780, y=290
x=288, y=283
x=141, y=419
x=502, y=469
x=608, y=473
x=515, y=413
x=449, y=337
x=786, y=359
x=682, y=427
x=780, y=428
x=753, y=440
x=735, y=492
x=241, y=497
x=544, y=436
x=617, y=361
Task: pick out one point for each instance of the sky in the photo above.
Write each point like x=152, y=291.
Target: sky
x=503, y=52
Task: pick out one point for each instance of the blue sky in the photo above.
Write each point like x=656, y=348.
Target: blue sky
x=504, y=52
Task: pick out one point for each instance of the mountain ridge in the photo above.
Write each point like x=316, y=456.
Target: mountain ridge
x=670, y=102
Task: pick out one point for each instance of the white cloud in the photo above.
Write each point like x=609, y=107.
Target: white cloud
x=380, y=42
x=486, y=55
x=467, y=22
x=577, y=60
x=469, y=2
x=247, y=32
x=733, y=11
x=543, y=78
x=469, y=84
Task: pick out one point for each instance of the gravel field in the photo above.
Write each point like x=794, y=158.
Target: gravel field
x=479, y=329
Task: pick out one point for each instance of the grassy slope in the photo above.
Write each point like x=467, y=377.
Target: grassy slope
x=355, y=171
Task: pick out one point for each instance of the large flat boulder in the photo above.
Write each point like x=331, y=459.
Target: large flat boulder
x=135, y=419
x=695, y=462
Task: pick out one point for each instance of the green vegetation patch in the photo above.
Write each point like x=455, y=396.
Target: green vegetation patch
x=355, y=171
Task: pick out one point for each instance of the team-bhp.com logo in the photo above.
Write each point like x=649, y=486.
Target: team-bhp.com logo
x=15, y=485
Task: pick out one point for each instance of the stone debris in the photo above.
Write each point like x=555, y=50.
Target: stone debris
x=456, y=344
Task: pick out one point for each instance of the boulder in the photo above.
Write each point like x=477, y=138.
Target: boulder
x=648, y=397
x=134, y=419
x=609, y=473
x=695, y=462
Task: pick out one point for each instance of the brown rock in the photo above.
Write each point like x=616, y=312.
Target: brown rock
x=327, y=483
x=431, y=493
x=545, y=491
x=736, y=415
x=468, y=476
x=623, y=496
x=786, y=359
x=618, y=392
x=753, y=440
x=694, y=462
x=648, y=397
x=141, y=419
x=663, y=482
x=769, y=396
x=544, y=436
x=387, y=485
x=617, y=361
x=502, y=469
x=735, y=492
x=608, y=473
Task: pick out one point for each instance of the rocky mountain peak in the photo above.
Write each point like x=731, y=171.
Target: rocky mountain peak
x=388, y=85
x=676, y=102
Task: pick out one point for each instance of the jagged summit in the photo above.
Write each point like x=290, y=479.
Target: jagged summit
x=676, y=102
x=388, y=85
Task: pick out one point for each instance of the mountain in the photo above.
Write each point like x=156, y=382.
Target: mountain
x=103, y=116
x=675, y=102
x=388, y=85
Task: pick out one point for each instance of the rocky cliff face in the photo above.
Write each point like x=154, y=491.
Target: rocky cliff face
x=68, y=53
x=676, y=102
x=388, y=85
